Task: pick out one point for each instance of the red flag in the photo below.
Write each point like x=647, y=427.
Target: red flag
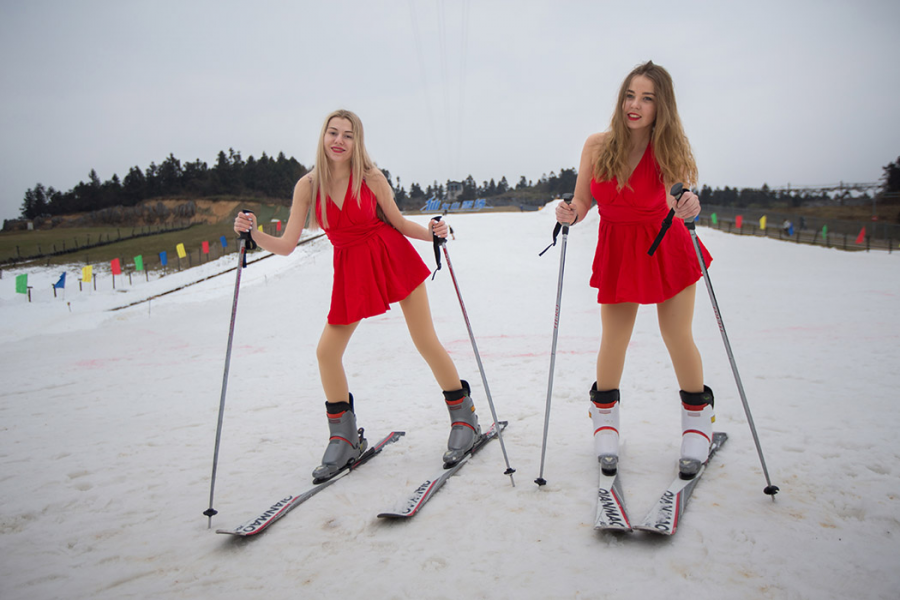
x=205, y=247
x=116, y=267
x=862, y=236
x=738, y=221
x=278, y=226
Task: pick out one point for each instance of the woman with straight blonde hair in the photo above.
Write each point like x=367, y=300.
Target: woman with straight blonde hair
x=374, y=266
x=627, y=170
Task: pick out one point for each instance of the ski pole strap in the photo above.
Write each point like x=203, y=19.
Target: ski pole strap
x=676, y=192
x=249, y=242
x=667, y=222
x=437, y=249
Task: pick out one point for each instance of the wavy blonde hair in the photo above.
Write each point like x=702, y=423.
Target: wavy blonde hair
x=360, y=164
x=670, y=144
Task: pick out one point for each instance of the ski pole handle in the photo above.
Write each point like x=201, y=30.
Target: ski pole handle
x=246, y=235
x=567, y=198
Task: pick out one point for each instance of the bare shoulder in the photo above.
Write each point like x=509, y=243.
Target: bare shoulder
x=378, y=183
x=592, y=146
x=373, y=176
x=595, y=141
x=303, y=187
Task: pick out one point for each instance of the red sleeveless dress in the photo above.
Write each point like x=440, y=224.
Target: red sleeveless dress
x=374, y=264
x=630, y=219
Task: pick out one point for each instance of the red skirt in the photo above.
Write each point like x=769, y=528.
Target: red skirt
x=369, y=276
x=624, y=272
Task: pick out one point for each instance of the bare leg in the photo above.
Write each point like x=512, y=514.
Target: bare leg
x=618, y=323
x=330, y=353
x=676, y=316
x=417, y=312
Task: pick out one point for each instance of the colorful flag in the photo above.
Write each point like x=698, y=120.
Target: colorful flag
x=163, y=258
x=824, y=230
x=277, y=225
x=714, y=219
x=61, y=283
x=87, y=273
x=738, y=221
x=762, y=223
x=862, y=236
x=139, y=262
x=791, y=230
x=181, y=252
x=205, y=247
x=224, y=241
x=116, y=266
x=22, y=283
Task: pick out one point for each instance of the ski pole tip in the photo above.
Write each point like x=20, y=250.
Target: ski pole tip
x=771, y=490
x=540, y=481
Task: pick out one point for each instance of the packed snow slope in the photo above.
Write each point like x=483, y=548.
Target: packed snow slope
x=108, y=422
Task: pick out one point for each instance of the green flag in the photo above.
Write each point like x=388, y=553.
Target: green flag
x=22, y=283
x=139, y=263
x=824, y=230
x=714, y=219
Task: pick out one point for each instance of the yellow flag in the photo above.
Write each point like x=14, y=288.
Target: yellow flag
x=762, y=222
x=87, y=273
x=181, y=252
x=259, y=228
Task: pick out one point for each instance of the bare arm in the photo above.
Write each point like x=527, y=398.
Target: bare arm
x=285, y=244
x=581, y=202
x=385, y=197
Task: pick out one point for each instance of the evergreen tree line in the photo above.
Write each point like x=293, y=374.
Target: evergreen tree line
x=274, y=178
x=266, y=177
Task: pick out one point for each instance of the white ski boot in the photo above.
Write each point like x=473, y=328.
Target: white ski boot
x=697, y=417
x=464, y=427
x=346, y=443
x=605, y=415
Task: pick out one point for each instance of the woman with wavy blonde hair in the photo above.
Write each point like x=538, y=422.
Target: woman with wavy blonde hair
x=627, y=170
x=374, y=266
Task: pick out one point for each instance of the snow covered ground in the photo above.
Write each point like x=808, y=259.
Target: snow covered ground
x=108, y=420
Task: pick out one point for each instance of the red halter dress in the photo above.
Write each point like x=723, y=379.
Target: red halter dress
x=374, y=264
x=630, y=219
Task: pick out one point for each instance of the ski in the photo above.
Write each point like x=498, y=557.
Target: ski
x=288, y=503
x=430, y=487
x=611, y=515
x=665, y=517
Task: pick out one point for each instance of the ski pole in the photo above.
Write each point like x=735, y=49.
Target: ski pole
x=567, y=198
x=442, y=243
x=246, y=242
x=771, y=490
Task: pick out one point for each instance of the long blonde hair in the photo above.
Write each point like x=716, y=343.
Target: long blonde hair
x=670, y=144
x=360, y=165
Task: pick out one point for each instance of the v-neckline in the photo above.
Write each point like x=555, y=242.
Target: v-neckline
x=643, y=156
x=340, y=206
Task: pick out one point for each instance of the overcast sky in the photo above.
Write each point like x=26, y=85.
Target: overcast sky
x=776, y=92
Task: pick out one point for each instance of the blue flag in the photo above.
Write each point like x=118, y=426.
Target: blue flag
x=163, y=259
x=224, y=241
x=61, y=284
